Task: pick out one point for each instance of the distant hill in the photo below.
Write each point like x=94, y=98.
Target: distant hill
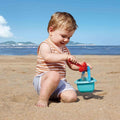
x=13, y=43
x=74, y=43
x=8, y=42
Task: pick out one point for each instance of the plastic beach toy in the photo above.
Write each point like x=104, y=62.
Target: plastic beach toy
x=85, y=84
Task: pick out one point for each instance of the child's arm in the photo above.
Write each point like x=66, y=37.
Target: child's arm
x=51, y=57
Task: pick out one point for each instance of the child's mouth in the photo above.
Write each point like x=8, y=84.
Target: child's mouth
x=62, y=42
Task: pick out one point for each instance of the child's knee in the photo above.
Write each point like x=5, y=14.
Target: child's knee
x=72, y=98
x=69, y=97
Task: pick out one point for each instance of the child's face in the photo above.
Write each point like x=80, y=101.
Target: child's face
x=60, y=37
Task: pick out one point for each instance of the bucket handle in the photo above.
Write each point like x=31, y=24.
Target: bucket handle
x=88, y=72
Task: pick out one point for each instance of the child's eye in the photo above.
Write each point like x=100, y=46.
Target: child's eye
x=63, y=36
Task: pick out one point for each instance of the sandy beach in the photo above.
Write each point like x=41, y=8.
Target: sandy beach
x=18, y=97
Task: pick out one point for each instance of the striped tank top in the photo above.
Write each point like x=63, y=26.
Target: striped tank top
x=43, y=66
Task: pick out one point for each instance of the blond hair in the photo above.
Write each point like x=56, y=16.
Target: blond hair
x=64, y=20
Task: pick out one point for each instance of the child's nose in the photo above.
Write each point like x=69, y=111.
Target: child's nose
x=66, y=39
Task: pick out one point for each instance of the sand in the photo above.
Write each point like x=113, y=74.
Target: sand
x=18, y=97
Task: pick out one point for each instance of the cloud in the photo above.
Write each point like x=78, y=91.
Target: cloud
x=4, y=29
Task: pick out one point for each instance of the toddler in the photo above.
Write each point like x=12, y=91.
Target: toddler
x=50, y=79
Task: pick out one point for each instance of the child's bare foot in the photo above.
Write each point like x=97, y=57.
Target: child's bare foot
x=42, y=103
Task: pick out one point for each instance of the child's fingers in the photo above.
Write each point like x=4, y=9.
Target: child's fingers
x=89, y=66
x=72, y=59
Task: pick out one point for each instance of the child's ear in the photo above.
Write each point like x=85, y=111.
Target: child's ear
x=50, y=29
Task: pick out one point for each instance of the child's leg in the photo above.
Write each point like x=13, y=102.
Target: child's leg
x=68, y=96
x=49, y=83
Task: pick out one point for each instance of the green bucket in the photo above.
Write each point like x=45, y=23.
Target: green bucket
x=86, y=84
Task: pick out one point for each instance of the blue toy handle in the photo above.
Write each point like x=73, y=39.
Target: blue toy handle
x=89, y=74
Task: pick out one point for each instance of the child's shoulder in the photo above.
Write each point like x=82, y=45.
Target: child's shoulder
x=43, y=45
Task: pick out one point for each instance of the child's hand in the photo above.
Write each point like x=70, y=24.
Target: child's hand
x=72, y=59
x=89, y=66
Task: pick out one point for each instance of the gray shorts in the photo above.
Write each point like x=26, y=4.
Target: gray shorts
x=62, y=86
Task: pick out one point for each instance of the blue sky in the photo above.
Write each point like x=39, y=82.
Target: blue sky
x=27, y=20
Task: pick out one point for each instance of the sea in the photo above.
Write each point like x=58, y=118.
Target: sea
x=75, y=50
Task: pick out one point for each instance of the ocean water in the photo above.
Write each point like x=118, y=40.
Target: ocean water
x=75, y=50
